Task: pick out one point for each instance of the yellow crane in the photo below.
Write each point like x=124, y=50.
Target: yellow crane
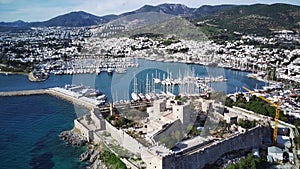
x=277, y=106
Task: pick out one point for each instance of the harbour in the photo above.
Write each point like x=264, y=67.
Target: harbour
x=116, y=83
x=116, y=87
x=165, y=86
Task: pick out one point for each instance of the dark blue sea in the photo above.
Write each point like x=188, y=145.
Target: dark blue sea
x=29, y=133
x=30, y=124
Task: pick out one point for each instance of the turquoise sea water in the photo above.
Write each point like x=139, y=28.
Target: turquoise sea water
x=29, y=133
x=30, y=124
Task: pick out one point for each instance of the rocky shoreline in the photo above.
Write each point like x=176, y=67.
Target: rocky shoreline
x=91, y=155
x=71, y=137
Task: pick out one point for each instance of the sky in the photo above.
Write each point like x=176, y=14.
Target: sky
x=41, y=10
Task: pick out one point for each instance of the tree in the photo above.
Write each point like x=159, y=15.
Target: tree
x=246, y=123
x=229, y=102
x=297, y=122
x=253, y=164
x=250, y=163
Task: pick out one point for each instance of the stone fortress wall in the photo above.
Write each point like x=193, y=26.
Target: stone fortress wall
x=156, y=156
x=196, y=159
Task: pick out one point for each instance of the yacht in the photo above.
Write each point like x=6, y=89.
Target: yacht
x=110, y=70
x=135, y=97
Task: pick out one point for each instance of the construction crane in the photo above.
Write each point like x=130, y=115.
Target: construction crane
x=277, y=106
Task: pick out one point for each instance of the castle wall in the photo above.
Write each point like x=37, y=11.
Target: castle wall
x=84, y=131
x=210, y=153
x=124, y=139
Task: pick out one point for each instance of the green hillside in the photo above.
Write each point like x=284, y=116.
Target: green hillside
x=177, y=27
x=257, y=19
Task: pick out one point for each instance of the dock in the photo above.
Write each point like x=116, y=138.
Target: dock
x=24, y=92
x=67, y=96
x=57, y=92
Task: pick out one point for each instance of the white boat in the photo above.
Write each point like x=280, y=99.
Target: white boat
x=141, y=95
x=110, y=70
x=148, y=96
x=121, y=70
x=101, y=97
x=99, y=102
x=94, y=93
x=252, y=75
x=58, y=72
x=135, y=97
x=98, y=70
x=75, y=88
x=157, y=80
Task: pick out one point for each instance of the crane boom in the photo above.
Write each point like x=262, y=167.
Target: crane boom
x=277, y=106
x=276, y=123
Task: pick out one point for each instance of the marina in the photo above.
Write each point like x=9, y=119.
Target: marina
x=156, y=87
x=88, y=65
x=163, y=85
x=114, y=86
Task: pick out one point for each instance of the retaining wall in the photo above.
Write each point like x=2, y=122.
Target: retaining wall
x=208, y=155
x=84, y=131
x=124, y=139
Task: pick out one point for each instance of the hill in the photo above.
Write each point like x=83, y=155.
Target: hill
x=80, y=18
x=171, y=9
x=207, y=10
x=177, y=27
x=18, y=23
x=258, y=19
x=74, y=19
x=138, y=20
x=181, y=10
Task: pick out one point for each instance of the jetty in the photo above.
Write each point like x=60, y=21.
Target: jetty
x=66, y=95
x=57, y=92
x=24, y=92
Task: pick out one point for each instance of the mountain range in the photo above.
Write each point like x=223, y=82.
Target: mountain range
x=80, y=18
x=247, y=18
x=256, y=19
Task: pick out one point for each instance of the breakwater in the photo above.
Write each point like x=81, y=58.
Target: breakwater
x=24, y=92
x=57, y=92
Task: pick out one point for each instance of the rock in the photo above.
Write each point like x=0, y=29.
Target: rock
x=94, y=156
x=72, y=138
x=84, y=156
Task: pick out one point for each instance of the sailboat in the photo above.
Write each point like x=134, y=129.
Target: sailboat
x=134, y=95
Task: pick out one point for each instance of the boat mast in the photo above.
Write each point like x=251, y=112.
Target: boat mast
x=147, y=85
x=134, y=83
